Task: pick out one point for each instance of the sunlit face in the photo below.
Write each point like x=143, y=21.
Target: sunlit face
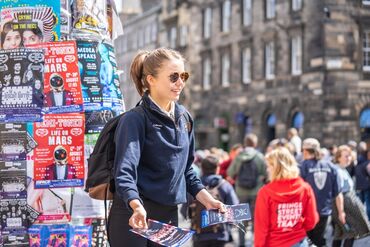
x=345, y=158
x=161, y=85
x=12, y=40
x=30, y=38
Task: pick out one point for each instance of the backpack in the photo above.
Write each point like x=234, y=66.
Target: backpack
x=248, y=174
x=196, y=208
x=100, y=180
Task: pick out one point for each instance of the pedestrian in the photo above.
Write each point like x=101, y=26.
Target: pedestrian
x=322, y=175
x=362, y=176
x=154, y=151
x=249, y=171
x=285, y=207
x=294, y=139
x=356, y=224
x=234, y=151
x=218, y=235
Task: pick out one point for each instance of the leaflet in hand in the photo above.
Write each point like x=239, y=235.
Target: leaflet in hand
x=234, y=214
x=164, y=234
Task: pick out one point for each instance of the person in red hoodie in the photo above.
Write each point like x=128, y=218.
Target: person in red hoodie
x=286, y=207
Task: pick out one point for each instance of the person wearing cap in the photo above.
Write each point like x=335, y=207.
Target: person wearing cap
x=322, y=175
x=60, y=169
x=58, y=95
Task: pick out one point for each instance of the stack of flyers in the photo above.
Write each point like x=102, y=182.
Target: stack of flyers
x=164, y=234
x=233, y=214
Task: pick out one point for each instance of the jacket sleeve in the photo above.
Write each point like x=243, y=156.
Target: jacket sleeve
x=129, y=138
x=233, y=169
x=310, y=214
x=261, y=219
x=193, y=183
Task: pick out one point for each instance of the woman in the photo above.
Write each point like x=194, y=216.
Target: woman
x=10, y=39
x=286, y=207
x=356, y=223
x=32, y=36
x=154, y=151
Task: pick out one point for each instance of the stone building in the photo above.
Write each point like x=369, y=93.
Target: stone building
x=264, y=66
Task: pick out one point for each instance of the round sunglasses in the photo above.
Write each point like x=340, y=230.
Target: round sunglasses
x=174, y=77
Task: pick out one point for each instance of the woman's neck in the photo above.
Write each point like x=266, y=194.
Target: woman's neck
x=163, y=104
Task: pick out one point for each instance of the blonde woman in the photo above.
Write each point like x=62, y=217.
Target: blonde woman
x=286, y=207
x=356, y=224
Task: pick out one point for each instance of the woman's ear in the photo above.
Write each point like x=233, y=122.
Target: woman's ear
x=150, y=79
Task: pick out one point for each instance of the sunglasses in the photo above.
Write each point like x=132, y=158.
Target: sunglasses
x=174, y=77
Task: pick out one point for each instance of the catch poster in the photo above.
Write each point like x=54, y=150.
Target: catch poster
x=13, y=142
x=99, y=78
x=60, y=151
x=21, y=85
x=61, y=76
x=35, y=21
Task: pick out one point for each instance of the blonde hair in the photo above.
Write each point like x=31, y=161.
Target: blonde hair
x=283, y=164
x=148, y=63
x=339, y=152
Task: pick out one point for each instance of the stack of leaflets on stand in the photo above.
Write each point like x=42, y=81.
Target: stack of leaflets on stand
x=164, y=234
x=234, y=214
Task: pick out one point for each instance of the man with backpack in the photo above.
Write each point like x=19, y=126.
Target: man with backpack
x=216, y=235
x=249, y=171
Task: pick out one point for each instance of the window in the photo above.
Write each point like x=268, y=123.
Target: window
x=365, y=2
x=207, y=23
x=296, y=55
x=366, y=51
x=154, y=32
x=226, y=16
x=147, y=35
x=225, y=70
x=270, y=8
x=246, y=65
x=296, y=5
x=297, y=120
x=207, y=73
x=172, y=37
x=183, y=35
x=270, y=61
x=247, y=12
x=141, y=38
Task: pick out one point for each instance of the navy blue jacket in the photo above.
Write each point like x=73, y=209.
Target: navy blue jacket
x=362, y=178
x=322, y=176
x=154, y=155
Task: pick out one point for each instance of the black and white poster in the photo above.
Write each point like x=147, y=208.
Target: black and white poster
x=21, y=85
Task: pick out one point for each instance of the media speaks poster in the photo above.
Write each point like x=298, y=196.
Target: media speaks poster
x=21, y=85
x=60, y=151
x=62, y=87
x=99, y=78
x=35, y=21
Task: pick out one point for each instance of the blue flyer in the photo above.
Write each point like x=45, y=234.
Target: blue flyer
x=80, y=236
x=234, y=214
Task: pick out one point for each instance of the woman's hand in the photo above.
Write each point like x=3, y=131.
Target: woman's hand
x=209, y=202
x=138, y=218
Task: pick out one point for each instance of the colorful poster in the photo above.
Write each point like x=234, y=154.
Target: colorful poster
x=80, y=236
x=60, y=151
x=62, y=87
x=59, y=236
x=90, y=19
x=32, y=21
x=13, y=142
x=99, y=235
x=234, y=214
x=38, y=235
x=164, y=234
x=21, y=85
x=99, y=78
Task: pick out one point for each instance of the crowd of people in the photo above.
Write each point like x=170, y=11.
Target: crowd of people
x=295, y=190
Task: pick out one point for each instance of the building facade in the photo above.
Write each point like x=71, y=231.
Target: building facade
x=264, y=66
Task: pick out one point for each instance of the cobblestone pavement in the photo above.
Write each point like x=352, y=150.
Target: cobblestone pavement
x=249, y=236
